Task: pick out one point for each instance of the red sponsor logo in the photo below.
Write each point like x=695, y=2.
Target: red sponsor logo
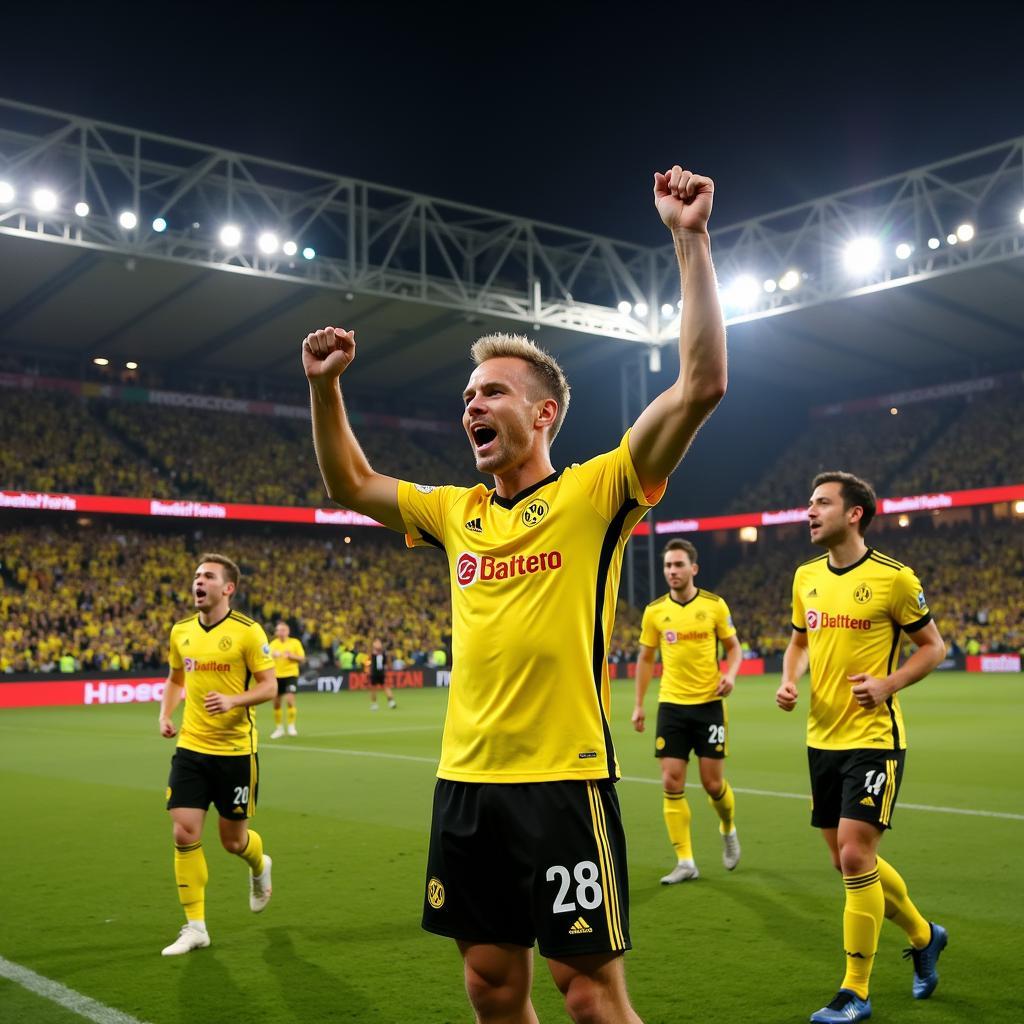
x=470, y=567
x=822, y=620
x=191, y=665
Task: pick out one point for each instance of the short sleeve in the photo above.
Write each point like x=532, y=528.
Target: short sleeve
x=610, y=481
x=423, y=511
x=173, y=654
x=257, y=650
x=907, y=604
x=650, y=635
x=798, y=620
x=723, y=622
x=299, y=649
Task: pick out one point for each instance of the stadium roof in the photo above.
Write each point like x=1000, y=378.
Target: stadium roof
x=419, y=278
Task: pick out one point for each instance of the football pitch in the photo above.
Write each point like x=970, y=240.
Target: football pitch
x=88, y=898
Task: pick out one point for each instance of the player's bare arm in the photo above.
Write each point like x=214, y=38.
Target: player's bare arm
x=348, y=476
x=264, y=690
x=664, y=430
x=929, y=651
x=794, y=665
x=644, y=673
x=733, y=660
x=174, y=690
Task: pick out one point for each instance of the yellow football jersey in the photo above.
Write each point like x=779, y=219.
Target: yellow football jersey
x=853, y=618
x=688, y=634
x=285, y=668
x=220, y=658
x=534, y=581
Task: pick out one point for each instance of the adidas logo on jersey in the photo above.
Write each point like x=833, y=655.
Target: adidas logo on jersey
x=474, y=526
x=813, y=592
x=868, y=802
x=580, y=927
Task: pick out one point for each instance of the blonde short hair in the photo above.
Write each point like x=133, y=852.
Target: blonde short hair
x=546, y=371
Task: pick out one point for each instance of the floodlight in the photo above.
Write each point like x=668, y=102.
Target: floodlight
x=744, y=291
x=290, y=248
x=668, y=310
x=640, y=309
x=904, y=521
x=748, y=534
x=159, y=225
x=100, y=361
x=230, y=236
x=1018, y=507
x=654, y=359
x=951, y=239
x=308, y=253
x=127, y=220
x=965, y=232
x=268, y=243
x=131, y=365
x=904, y=251
x=933, y=243
x=862, y=255
x=789, y=280
x=770, y=285
x=44, y=200
x=893, y=411
x=1020, y=216
x=625, y=308
x=7, y=192
x=81, y=209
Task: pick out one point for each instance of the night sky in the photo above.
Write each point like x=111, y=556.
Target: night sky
x=558, y=112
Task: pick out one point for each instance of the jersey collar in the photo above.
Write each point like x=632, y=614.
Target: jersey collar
x=207, y=629
x=683, y=604
x=513, y=501
x=849, y=568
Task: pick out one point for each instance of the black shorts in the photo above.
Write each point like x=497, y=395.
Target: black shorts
x=230, y=782
x=288, y=685
x=702, y=728
x=524, y=862
x=861, y=784
x=378, y=678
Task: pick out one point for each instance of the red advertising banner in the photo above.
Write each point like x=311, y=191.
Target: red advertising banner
x=627, y=670
x=993, y=662
x=78, y=692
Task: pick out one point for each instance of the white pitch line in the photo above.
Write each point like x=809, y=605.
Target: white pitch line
x=1005, y=815
x=64, y=996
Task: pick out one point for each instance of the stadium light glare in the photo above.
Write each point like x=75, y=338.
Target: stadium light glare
x=131, y=365
x=641, y=309
x=230, y=236
x=127, y=220
x=862, y=255
x=308, y=253
x=159, y=225
x=770, y=285
x=679, y=304
x=933, y=243
x=904, y=251
x=81, y=209
x=951, y=239
x=654, y=359
x=744, y=291
x=748, y=534
x=1018, y=507
x=894, y=411
x=7, y=192
x=904, y=521
x=268, y=243
x=44, y=200
x=290, y=248
x=348, y=540
x=1020, y=215
x=965, y=232
x=789, y=280
x=668, y=310
x=625, y=308
x=100, y=361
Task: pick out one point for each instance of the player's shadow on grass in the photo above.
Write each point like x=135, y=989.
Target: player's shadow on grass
x=206, y=990
x=312, y=993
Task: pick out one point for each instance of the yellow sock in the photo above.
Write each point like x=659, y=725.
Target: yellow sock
x=725, y=807
x=677, y=820
x=899, y=908
x=277, y=716
x=862, y=921
x=191, y=875
x=292, y=712
x=253, y=852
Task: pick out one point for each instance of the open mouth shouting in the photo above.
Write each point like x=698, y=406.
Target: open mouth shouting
x=484, y=438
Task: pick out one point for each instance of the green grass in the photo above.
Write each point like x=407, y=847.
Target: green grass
x=89, y=897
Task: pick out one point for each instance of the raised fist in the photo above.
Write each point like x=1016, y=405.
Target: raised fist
x=683, y=199
x=327, y=353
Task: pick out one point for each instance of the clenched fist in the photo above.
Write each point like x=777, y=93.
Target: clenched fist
x=683, y=199
x=327, y=353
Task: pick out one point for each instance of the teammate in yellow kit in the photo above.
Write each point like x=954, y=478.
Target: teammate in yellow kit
x=288, y=654
x=220, y=663
x=526, y=841
x=687, y=624
x=849, y=607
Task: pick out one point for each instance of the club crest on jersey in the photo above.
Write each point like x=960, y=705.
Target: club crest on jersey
x=862, y=594
x=534, y=512
x=435, y=893
x=470, y=567
x=225, y=643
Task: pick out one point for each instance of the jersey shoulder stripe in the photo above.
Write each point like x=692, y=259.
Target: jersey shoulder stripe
x=185, y=622
x=707, y=593
x=657, y=601
x=811, y=561
x=239, y=617
x=889, y=563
